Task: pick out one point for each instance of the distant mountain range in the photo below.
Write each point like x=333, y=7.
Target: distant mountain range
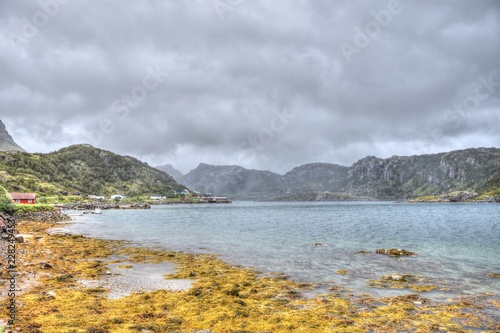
x=446, y=175
x=6, y=141
x=83, y=169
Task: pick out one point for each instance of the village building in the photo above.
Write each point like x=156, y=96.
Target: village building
x=24, y=198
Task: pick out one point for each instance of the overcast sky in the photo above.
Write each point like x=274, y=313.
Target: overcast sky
x=265, y=84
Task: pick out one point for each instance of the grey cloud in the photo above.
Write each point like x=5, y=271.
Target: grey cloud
x=225, y=79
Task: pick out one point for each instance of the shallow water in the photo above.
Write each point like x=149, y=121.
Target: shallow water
x=456, y=244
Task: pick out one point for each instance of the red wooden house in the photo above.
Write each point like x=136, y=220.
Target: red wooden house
x=24, y=198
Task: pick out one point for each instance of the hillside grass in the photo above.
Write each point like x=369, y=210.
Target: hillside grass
x=81, y=170
x=36, y=208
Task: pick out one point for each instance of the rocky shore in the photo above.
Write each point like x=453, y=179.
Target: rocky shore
x=51, y=296
x=46, y=216
x=102, y=205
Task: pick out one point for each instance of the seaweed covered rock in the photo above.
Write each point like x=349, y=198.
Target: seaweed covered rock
x=395, y=252
x=403, y=281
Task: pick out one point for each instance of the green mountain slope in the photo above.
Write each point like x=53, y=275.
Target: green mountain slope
x=82, y=169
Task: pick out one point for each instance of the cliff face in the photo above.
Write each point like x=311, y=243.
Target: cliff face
x=397, y=177
x=6, y=141
x=413, y=176
x=314, y=177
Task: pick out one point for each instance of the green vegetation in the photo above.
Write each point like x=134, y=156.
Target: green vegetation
x=80, y=170
x=6, y=203
x=490, y=188
x=34, y=208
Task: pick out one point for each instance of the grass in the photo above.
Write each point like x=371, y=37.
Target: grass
x=20, y=208
x=223, y=298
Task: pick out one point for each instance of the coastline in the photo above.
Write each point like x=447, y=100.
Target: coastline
x=222, y=297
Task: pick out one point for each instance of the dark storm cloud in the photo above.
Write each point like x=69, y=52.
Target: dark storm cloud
x=264, y=84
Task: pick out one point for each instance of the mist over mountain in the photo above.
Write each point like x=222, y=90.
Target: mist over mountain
x=7, y=143
x=169, y=169
x=399, y=177
x=234, y=181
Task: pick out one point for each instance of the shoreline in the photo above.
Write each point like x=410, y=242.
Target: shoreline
x=222, y=297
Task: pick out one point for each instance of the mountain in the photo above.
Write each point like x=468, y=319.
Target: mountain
x=169, y=169
x=82, y=169
x=6, y=141
x=476, y=171
x=404, y=177
x=233, y=181
x=314, y=177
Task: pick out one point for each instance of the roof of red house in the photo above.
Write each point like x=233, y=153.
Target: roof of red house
x=23, y=196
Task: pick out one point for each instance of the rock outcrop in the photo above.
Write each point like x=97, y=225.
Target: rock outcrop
x=7, y=143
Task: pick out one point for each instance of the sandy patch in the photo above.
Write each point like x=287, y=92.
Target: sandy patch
x=139, y=278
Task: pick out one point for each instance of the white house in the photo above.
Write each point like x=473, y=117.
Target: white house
x=157, y=197
x=117, y=196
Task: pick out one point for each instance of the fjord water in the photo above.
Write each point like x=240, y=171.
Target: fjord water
x=456, y=244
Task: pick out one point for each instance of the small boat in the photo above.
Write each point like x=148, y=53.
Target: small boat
x=74, y=214
x=98, y=211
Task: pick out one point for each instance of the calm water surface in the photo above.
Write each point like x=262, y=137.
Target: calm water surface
x=456, y=244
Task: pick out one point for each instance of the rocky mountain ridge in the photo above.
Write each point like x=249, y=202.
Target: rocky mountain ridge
x=475, y=171
x=7, y=143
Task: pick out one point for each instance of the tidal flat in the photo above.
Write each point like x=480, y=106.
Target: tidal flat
x=219, y=298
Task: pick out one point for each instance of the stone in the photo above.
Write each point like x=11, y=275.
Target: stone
x=395, y=252
x=396, y=277
x=3, y=225
x=20, y=238
x=44, y=265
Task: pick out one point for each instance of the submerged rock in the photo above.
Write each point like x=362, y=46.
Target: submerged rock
x=395, y=252
x=403, y=281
